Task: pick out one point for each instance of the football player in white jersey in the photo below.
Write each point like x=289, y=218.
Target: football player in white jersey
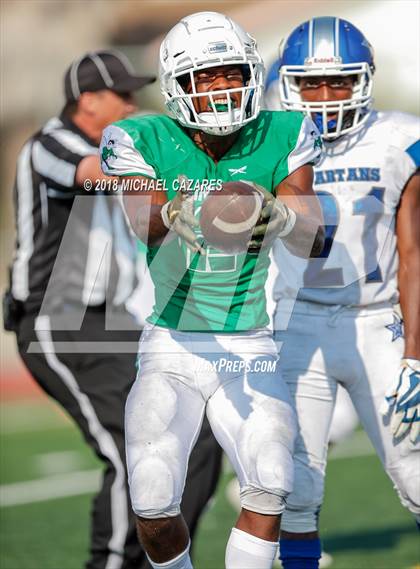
x=345, y=328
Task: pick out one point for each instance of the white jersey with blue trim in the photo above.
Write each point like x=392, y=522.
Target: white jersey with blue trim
x=359, y=181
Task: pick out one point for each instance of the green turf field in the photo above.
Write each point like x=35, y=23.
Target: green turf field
x=362, y=523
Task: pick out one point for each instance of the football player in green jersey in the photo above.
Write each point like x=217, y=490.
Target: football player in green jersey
x=207, y=347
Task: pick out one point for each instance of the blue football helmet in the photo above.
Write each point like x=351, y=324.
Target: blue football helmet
x=321, y=47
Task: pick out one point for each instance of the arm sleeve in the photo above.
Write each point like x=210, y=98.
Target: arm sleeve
x=306, y=148
x=120, y=157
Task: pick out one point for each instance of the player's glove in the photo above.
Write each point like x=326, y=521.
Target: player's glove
x=178, y=215
x=402, y=401
x=276, y=220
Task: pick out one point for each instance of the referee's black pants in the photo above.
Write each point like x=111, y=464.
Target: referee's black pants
x=92, y=388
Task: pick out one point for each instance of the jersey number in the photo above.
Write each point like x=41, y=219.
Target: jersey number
x=316, y=275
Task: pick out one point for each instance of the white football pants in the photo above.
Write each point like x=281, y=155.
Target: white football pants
x=232, y=377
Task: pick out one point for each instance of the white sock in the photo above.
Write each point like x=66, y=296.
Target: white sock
x=245, y=551
x=181, y=561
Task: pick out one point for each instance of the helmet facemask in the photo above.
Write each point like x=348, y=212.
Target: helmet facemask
x=351, y=113
x=224, y=114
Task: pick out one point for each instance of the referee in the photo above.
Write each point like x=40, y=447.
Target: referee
x=72, y=273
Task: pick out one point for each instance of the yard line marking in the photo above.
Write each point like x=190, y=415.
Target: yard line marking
x=50, y=488
x=87, y=481
x=53, y=463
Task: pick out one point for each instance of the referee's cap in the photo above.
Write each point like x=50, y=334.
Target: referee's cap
x=99, y=70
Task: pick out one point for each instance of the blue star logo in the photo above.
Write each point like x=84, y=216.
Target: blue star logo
x=396, y=328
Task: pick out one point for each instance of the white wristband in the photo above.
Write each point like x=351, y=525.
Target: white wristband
x=290, y=223
x=164, y=215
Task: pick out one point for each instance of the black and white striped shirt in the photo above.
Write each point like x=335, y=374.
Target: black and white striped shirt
x=79, y=239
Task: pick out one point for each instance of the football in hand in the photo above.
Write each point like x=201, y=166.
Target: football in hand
x=228, y=216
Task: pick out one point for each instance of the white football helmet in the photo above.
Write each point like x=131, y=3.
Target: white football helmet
x=201, y=41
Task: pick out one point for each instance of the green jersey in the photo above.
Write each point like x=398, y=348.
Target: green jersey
x=218, y=291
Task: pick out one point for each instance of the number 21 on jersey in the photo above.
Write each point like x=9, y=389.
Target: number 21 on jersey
x=371, y=207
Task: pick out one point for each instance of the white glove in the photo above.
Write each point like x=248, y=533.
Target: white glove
x=178, y=215
x=276, y=220
x=402, y=401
